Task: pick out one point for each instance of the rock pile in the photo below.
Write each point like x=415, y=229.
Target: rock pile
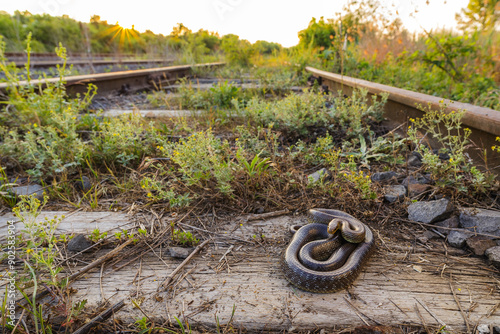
x=474, y=228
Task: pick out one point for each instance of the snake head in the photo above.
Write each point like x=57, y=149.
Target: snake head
x=334, y=225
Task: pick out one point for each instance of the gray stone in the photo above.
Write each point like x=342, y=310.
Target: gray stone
x=493, y=255
x=426, y=236
x=319, y=175
x=481, y=220
x=28, y=190
x=179, y=252
x=17, y=180
x=479, y=244
x=457, y=239
x=78, y=243
x=451, y=222
x=383, y=176
x=417, y=179
x=394, y=193
x=431, y=211
x=415, y=189
x=441, y=155
x=414, y=161
x=483, y=329
x=496, y=329
x=83, y=184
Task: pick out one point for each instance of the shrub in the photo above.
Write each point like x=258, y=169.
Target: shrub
x=34, y=105
x=124, y=139
x=202, y=157
x=456, y=170
x=294, y=114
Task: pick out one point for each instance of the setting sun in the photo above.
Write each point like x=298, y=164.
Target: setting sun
x=124, y=35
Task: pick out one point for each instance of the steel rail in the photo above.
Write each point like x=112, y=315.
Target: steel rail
x=403, y=104
x=117, y=82
x=87, y=62
x=50, y=55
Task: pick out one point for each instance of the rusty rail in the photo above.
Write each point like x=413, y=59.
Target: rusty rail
x=87, y=62
x=403, y=104
x=119, y=82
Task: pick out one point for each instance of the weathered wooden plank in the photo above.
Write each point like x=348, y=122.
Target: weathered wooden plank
x=78, y=222
x=250, y=279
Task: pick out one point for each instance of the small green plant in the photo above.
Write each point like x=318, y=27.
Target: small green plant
x=379, y=149
x=42, y=125
x=38, y=240
x=496, y=148
x=158, y=98
x=32, y=105
x=457, y=169
x=36, y=246
x=143, y=324
x=123, y=140
x=354, y=114
x=261, y=141
x=333, y=160
x=96, y=235
x=5, y=195
x=202, y=157
x=183, y=238
x=219, y=328
x=315, y=153
x=158, y=191
x=361, y=181
x=222, y=95
x=123, y=235
x=256, y=167
x=142, y=232
x=294, y=114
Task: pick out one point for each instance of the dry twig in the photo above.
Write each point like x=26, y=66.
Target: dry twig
x=460, y=307
x=432, y=313
x=169, y=278
x=69, y=279
x=100, y=318
x=266, y=215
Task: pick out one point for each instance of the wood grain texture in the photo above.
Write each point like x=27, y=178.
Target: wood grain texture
x=77, y=222
x=397, y=279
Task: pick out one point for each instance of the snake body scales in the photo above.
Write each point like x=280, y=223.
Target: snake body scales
x=326, y=266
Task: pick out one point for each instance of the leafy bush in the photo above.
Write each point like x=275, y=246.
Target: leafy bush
x=237, y=52
x=354, y=114
x=202, y=157
x=294, y=114
x=219, y=96
x=44, y=150
x=457, y=168
x=29, y=104
x=124, y=139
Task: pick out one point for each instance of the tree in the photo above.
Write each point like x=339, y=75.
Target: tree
x=318, y=34
x=180, y=30
x=479, y=15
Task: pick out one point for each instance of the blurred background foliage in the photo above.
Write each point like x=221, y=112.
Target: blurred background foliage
x=362, y=42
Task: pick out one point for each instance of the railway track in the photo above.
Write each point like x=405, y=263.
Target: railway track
x=403, y=104
x=13, y=56
x=93, y=62
x=118, y=82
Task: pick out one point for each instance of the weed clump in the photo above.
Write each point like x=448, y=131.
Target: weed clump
x=456, y=169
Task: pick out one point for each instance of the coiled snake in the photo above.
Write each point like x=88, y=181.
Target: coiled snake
x=327, y=265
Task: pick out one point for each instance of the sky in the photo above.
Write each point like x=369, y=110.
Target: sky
x=271, y=20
